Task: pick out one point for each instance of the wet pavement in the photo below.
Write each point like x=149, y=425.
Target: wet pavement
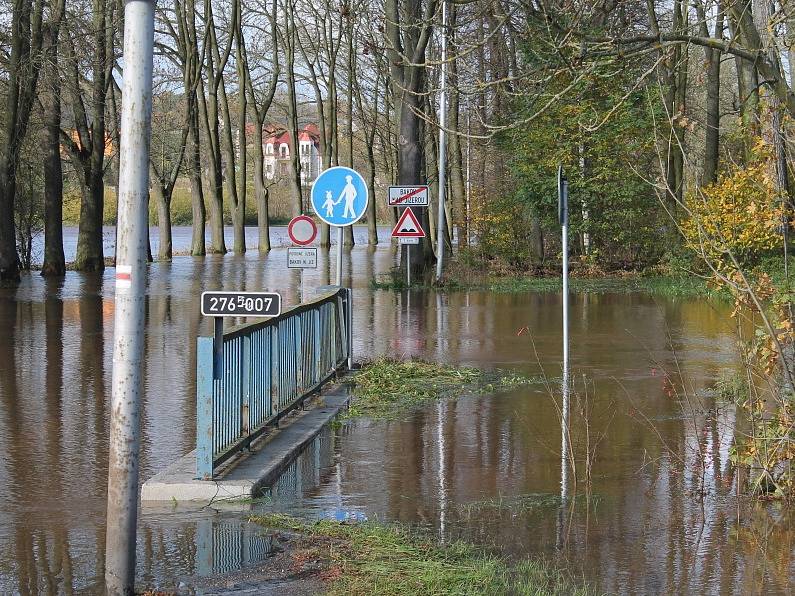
x=662, y=517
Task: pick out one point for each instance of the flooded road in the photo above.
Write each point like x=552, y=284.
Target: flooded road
x=662, y=517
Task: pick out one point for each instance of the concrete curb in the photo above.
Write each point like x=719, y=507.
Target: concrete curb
x=247, y=475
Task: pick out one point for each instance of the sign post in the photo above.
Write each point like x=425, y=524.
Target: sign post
x=442, y=148
x=339, y=198
x=409, y=231
x=563, y=217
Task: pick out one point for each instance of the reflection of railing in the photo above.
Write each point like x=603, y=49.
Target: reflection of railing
x=264, y=370
x=226, y=546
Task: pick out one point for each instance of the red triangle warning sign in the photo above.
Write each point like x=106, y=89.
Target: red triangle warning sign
x=408, y=226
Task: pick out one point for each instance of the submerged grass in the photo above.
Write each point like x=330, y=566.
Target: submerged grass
x=673, y=286
x=371, y=558
x=514, y=505
x=385, y=388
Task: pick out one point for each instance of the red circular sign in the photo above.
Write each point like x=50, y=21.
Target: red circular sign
x=302, y=230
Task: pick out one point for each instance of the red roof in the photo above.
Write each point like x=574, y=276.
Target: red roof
x=279, y=136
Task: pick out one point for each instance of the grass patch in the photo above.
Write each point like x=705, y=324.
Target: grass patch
x=385, y=388
x=371, y=558
x=656, y=285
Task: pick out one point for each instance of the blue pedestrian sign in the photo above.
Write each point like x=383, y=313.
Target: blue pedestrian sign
x=339, y=196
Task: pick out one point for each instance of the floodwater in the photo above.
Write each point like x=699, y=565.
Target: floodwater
x=662, y=516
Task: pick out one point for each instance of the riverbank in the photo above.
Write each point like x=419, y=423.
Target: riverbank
x=669, y=286
x=372, y=558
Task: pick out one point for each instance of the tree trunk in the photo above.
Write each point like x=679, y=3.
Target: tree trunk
x=712, y=124
x=261, y=194
x=199, y=212
x=54, y=262
x=408, y=32
x=209, y=112
x=90, y=254
x=457, y=188
x=409, y=172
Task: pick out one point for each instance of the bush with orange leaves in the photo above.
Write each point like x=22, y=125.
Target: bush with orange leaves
x=739, y=216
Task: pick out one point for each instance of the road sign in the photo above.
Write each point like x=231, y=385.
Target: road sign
x=302, y=258
x=409, y=240
x=408, y=195
x=339, y=196
x=302, y=230
x=241, y=304
x=408, y=226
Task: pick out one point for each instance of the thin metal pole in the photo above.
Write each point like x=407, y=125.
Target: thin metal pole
x=128, y=336
x=442, y=147
x=339, y=255
x=564, y=423
x=350, y=328
x=468, y=185
x=408, y=265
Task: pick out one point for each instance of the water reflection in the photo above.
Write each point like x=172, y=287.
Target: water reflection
x=663, y=517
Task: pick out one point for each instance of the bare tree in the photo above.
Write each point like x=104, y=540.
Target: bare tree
x=408, y=31
x=260, y=103
x=26, y=41
x=50, y=97
x=87, y=144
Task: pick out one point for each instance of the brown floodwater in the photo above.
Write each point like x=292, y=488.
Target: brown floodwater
x=663, y=514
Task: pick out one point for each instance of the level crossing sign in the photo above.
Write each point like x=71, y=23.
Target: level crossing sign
x=339, y=196
x=408, y=226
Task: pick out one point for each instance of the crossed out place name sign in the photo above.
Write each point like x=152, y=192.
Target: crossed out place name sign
x=339, y=196
x=408, y=195
x=241, y=304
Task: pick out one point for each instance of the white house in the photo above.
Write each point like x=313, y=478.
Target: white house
x=277, y=147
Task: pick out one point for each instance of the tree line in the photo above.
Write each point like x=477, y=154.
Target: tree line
x=644, y=102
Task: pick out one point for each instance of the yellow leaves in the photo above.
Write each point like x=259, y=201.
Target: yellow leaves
x=740, y=214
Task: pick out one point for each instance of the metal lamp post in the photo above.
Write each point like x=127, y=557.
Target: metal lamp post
x=128, y=335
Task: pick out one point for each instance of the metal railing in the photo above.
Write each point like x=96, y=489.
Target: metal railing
x=264, y=370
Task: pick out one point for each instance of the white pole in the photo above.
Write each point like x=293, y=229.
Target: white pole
x=564, y=217
x=339, y=255
x=128, y=337
x=408, y=265
x=442, y=147
x=469, y=143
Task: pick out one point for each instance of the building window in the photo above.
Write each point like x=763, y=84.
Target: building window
x=283, y=150
x=269, y=151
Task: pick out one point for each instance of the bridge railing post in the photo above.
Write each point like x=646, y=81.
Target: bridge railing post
x=205, y=355
x=245, y=385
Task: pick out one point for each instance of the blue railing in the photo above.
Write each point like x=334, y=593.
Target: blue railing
x=264, y=370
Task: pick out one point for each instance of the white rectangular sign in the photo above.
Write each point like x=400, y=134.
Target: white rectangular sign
x=241, y=304
x=302, y=258
x=400, y=196
x=404, y=240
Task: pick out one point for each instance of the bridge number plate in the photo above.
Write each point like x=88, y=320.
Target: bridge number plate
x=241, y=304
